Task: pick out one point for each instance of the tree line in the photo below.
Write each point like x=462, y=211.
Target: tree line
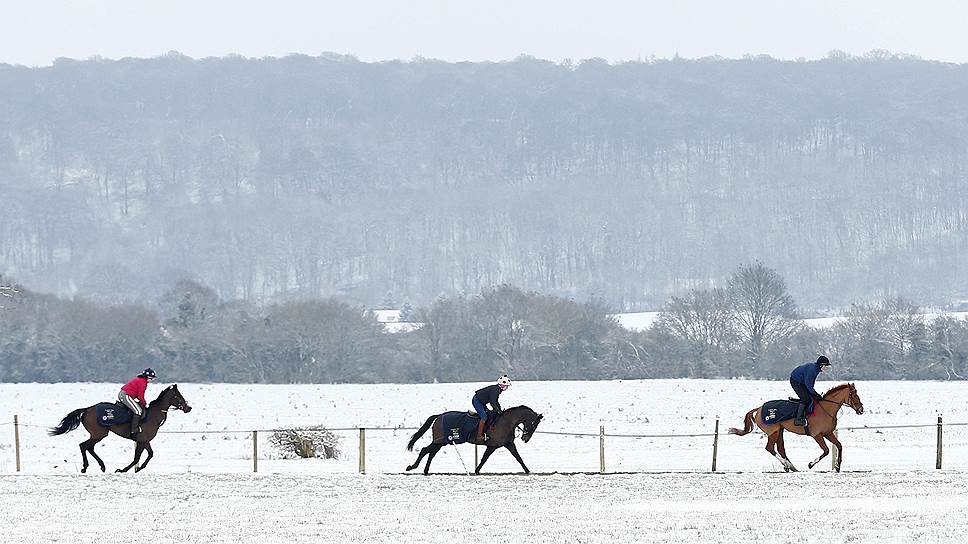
x=322, y=177
x=748, y=328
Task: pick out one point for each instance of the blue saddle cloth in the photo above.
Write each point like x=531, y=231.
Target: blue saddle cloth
x=775, y=411
x=459, y=427
x=112, y=414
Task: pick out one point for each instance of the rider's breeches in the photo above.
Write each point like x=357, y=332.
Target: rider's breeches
x=132, y=403
x=802, y=392
x=479, y=408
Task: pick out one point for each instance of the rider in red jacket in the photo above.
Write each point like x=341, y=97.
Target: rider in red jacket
x=132, y=395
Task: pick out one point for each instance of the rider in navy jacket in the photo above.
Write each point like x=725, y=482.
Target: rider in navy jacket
x=802, y=379
x=488, y=395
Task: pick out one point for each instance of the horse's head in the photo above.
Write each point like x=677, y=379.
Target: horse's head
x=853, y=399
x=175, y=399
x=530, y=425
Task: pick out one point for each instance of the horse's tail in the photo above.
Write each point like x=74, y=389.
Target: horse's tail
x=747, y=424
x=420, y=432
x=70, y=422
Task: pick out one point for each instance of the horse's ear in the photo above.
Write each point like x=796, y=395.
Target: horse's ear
x=174, y=386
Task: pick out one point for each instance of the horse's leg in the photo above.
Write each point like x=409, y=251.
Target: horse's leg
x=823, y=445
x=434, y=448
x=151, y=454
x=840, y=449
x=137, y=455
x=97, y=434
x=487, y=453
x=771, y=447
x=423, y=451
x=514, y=451
x=781, y=447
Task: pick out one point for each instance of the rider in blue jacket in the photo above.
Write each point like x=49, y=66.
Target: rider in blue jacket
x=802, y=380
x=488, y=396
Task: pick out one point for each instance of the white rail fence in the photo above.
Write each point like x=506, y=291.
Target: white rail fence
x=607, y=443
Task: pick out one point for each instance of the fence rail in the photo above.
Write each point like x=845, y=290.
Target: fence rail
x=601, y=435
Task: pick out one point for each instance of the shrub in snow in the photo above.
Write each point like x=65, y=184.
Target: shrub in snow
x=305, y=442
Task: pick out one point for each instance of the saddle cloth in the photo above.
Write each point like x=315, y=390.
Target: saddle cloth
x=459, y=427
x=112, y=414
x=775, y=411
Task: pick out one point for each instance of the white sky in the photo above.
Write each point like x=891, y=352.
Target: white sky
x=34, y=32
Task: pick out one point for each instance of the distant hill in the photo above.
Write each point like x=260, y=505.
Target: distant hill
x=297, y=177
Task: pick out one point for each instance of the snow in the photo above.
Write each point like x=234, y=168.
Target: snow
x=885, y=507
x=637, y=321
x=228, y=413
x=641, y=321
x=200, y=488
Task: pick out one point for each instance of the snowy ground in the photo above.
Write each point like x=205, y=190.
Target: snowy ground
x=882, y=507
x=227, y=414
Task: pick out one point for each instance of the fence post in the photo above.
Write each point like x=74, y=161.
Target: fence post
x=255, y=451
x=16, y=440
x=937, y=463
x=601, y=449
x=362, y=450
x=835, y=454
x=715, y=443
x=475, y=457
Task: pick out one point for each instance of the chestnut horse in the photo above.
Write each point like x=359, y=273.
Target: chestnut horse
x=821, y=424
x=155, y=417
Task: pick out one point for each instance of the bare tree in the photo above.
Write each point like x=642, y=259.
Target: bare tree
x=703, y=318
x=765, y=313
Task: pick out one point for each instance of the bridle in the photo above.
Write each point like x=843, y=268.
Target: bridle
x=839, y=404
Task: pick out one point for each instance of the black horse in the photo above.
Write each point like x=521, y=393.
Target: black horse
x=156, y=415
x=501, y=435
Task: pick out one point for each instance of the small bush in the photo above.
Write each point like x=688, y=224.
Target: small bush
x=306, y=442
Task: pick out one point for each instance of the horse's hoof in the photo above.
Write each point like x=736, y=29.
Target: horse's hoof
x=118, y=470
x=410, y=468
x=103, y=469
x=810, y=465
x=137, y=470
x=83, y=471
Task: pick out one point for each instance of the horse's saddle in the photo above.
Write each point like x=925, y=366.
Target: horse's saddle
x=109, y=414
x=775, y=411
x=473, y=414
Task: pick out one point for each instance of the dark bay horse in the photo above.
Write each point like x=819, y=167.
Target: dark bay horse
x=155, y=417
x=821, y=424
x=501, y=435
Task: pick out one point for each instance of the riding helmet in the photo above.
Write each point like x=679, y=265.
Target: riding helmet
x=823, y=360
x=149, y=373
x=504, y=381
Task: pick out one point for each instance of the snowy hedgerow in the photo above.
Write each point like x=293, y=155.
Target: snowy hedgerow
x=306, y=442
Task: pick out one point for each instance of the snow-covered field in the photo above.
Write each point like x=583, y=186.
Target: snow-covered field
x=199, y=487
x=881, y=507
x=640, y=321
x=228, y=414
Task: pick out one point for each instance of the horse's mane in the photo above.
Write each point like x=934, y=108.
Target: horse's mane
x=518, y=408
x=836, y=388
x=162, y=394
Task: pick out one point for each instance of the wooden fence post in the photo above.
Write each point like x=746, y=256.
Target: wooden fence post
x=937, y=463
x=715, y=443
x=16, y=440
x=255, y=451
x=362, y=450
x=601, y=449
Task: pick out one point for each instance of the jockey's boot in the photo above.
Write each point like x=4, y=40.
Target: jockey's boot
x=135, y=423
x=801, y=418
x=480, y=431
